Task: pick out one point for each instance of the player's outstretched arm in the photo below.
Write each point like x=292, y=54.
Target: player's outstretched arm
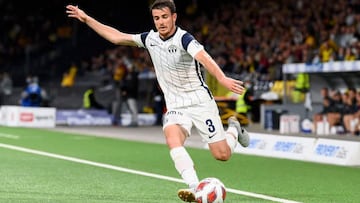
x=109, y=33
x=208, y=62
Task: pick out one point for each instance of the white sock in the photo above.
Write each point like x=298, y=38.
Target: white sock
x=231, y=135
x=184, y=165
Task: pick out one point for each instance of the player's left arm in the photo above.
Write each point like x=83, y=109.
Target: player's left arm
x=210, y=65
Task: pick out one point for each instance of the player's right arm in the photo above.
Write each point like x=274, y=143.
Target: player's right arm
x=109, y=33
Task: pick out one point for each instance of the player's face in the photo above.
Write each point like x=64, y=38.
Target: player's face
x=164, y=21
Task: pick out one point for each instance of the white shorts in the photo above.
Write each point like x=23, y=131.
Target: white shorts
x=205, y=117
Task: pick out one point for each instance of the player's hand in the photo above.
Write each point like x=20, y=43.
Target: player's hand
x=233, y=85
x=75, y=12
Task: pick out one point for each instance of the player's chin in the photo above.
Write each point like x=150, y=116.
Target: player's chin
x=163, y=31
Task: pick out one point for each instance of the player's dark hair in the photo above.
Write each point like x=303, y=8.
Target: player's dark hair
x=160, y=4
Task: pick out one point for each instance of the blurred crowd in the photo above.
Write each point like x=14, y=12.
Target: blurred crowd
x=253, y=39
x=247, y=38
x=341, y=110
x=30, y=29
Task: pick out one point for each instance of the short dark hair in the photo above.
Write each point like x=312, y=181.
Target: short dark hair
x=159, y=4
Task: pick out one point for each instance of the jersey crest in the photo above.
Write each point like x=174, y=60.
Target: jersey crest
x=172, y=49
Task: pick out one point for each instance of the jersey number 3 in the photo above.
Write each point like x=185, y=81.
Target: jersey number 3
x=210, y=125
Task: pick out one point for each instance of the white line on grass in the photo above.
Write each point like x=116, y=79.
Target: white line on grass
x=117, y=168
x=9, y=136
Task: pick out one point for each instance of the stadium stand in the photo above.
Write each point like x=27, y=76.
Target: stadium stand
x=251, y=40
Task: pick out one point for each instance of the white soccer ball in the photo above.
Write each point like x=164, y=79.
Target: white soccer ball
x=210, y=190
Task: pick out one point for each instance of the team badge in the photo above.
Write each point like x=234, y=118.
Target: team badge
x=172, y=49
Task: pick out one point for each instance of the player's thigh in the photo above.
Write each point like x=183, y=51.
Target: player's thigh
x=177, y=126
x=207, y=121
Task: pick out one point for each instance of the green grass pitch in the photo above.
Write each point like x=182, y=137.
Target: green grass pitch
x=33, y=178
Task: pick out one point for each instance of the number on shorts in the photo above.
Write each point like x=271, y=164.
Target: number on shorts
x=211, y=127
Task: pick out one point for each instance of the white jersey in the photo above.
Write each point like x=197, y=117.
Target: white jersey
x=178, y=73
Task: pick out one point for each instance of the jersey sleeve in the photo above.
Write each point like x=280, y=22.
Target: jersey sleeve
x=139, y=39
x=191, y=45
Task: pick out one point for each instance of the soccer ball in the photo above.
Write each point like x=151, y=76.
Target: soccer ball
x=210, y=190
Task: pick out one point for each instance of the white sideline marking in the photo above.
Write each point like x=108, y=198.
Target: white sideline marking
x=9, y=136
x=153, y=175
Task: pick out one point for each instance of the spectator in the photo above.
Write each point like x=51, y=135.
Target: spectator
x=302, y=86
x=327, y=50
x=89, y=99
x=336, y=107
x=6, y=86
x=119, y=74
x=349, y=54
x=326, y=101
x=129, y=94
x=243, y=103
x=68, y=79
x=351, y=116
x=159, y=104
x=33, y=95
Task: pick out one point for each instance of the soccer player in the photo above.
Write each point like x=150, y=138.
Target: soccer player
x=177, y=56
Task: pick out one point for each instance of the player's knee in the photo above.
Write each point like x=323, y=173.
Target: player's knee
x=222, y=156
x=220, y=151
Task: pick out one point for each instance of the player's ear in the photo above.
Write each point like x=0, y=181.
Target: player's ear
x=174, y=16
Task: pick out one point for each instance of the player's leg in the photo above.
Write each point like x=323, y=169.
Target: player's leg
x=242, y=134
x=117, y=109
x=132, y=104
x=209, y=125
x=210, y=128
x=176, y=129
